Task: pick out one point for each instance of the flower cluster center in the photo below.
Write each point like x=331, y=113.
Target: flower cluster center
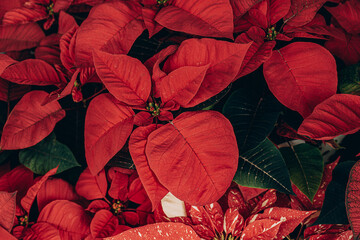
x=224, y=236
x=154, y=109
x=24, y=220
x=117, y=207
x=161, y=1
x=50, y=9
x=271, y=34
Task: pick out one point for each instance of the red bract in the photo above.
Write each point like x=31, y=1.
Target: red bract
x=36, y=121
x=161, y=231
x=20, y=37
x=174, y=85
x=203, y=18
x=7, y=209
x=336, y=115
x=352, y=199
x=125, y=190
x=305, y=83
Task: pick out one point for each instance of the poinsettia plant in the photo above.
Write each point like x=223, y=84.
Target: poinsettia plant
x=128, y=119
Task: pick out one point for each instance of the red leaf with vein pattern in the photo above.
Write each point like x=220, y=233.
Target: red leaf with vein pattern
x=103, y=224
x=7, y=209
x=27, y=201
x=105, y=25
x=32, y=72
x=126, y=78
x=337, y=115
x=68, y=217
x=301, y=75
x=55, y=189
x=159, y=231
x=138, y=140
x=91, y=187
x=192, y=140
x=20, y=37
x=108, y=125
x=204, y=18
x=30, y=122
x=223, y=57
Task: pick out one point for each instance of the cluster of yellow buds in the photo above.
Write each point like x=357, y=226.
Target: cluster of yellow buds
x=24, y=220
x=225, y=237
x=161, y=1
x=154, y=109
x=50, y=9
x=271, y=33
x=117, y=206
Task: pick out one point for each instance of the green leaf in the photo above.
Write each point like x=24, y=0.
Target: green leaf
x=263, y=167
x=333, y=210
x=349, y=79
x=253, y=116
x=4, y=156
x=46, y=155
x=306, y=166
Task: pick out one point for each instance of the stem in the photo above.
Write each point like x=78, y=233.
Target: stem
x=301, y=228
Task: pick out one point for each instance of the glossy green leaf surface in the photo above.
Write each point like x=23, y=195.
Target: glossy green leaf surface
x=305, y=166
x=263, y=167
x=46, y=155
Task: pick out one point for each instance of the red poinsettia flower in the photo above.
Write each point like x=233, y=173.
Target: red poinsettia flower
x=35, y=10
x=243, y=218
x=184, y=81
x=129, y=205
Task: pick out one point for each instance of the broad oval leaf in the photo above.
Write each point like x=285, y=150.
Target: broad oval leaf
x=301, y=75
x=302, y=12
x=4, y=234
x=42, y=231
x=126, y=78
x=253, y=116
x=263, y=167
x=305, y=165
x=159, y=231
x=108, y=125
x=68, y=217
x=107, y=24
x=339, y=114
x=91, y=187
x=261, y=229
x=347, y=15
x=224, y=58
x=19, y=179
x=28, y=199
x=204, y=18
x=7, y=209
x=46, y=155
x=137, y=143
x=103, y=224
x=20, y=37
x=30, y=122
x=352, y=199
x=203, y=140
x=31, y=72
x=55, y=189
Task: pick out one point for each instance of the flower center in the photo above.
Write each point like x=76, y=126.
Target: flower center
x=154, y=109
x=117, y=207
x=224, y=236
x=161, y=1
x=271, y=34
x=50, y=9
x=24, y=220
